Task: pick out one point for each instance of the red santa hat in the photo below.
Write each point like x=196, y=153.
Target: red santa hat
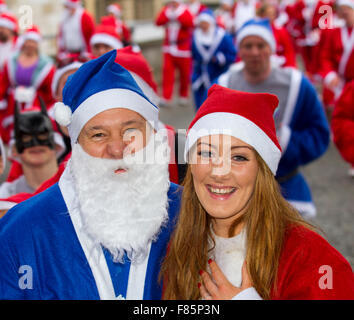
x=72, y=3
x=106, y=34
x=134, y=61
x=3, y=6
x=115, y=9
x=31, y=33
x=246, y=116
x=348, y=3
x=9, y=21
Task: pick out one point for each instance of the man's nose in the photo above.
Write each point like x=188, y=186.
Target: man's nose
x=115, y=148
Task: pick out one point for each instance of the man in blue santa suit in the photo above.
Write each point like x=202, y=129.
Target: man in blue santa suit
x=302, y=127
x=102, y=231
x=212, y=51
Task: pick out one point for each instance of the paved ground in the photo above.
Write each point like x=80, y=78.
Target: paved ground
x=333, y=190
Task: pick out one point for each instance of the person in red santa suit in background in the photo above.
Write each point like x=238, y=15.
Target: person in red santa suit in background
x=3, y=6
x=65, y=68
x=178, y=23
x=223, y=15
x=105, y=39
x=28, y=73
x=336, y=57
x=134, y=61
x=285, y=49
x=8, y=37
x=309, y=15
x=342, y=125
x=195, y=7
x=122, y=29
x=75, y=30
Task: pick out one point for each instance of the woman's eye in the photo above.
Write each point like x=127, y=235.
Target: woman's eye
x=239, y=158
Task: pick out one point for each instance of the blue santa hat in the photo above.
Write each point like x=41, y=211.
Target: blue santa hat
x=206, y=15
x=257, y=27
x=98, y=85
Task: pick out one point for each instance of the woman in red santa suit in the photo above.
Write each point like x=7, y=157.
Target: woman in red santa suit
x=236, y=236
x=178, y=23
x=75, y=29
x=28, y=74
x=342, y=125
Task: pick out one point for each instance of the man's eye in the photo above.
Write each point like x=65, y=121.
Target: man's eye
x=98, y=135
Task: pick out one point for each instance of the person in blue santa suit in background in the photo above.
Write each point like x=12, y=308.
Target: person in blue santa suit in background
x=103, y=230
x=213, y=52
x=301, y=124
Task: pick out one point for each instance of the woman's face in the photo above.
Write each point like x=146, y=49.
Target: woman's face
x=224, y=171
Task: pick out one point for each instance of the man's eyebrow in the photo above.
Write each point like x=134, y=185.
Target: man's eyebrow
x=124, y=124
x=236, y=147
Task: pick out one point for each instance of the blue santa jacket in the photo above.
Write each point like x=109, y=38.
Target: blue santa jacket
x=308, y=141
x=210, y=61
x=38, y=240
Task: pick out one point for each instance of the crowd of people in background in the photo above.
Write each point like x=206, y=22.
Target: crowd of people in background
x=248, y=45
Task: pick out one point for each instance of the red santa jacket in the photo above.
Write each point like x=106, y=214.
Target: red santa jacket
x=87, y=29
x=337, y=53
x=342, y=123
x=311, y=269
x=284, y=46
x=178, y=27
x=41, y=84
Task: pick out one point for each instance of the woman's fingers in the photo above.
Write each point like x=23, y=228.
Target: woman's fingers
x=209, y=284
x=218, y=276
x=203, y=292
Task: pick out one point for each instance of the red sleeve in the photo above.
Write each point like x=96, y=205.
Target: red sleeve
x=311, y=269
x=45, y=90
x=326, y=58
x=15, y=171
x=186, y=19
x=88, y=27
x=126, y=34
x=161, y=18
x=288, y=50
x=4, y=82
x=342, y=123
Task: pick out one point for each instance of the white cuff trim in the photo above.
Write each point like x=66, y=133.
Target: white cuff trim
x=284, y=137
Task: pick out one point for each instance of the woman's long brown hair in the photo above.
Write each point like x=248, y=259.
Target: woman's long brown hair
x=265, y=220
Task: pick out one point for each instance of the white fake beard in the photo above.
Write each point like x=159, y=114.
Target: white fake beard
x=123, y=212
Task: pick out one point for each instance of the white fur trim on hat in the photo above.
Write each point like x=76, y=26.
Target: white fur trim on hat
x=6, y=23
x=105, y=38
x=256, y=30
x=60, y=72
x=111, y=99
x=62, y=114
x=348, y=3
x=238, y=127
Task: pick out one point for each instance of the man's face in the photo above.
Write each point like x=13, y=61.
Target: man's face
x=100, y=49
x=255, y=52
x=5, y=34
x=114, y=133
x=37, y=156
x=204, y=26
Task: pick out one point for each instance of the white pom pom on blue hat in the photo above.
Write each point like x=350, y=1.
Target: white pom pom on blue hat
x=98, y=85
